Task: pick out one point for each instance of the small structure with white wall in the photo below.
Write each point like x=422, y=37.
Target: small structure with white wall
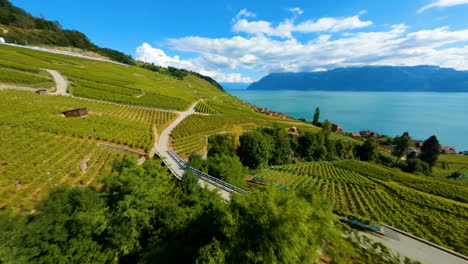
x=2, y=40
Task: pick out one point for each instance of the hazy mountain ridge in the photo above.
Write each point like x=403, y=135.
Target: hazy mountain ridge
x=370, y=78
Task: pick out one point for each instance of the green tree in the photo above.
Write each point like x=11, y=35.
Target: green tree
x=282, y=150
x=255, y=150
x=275, y=226
x=369, y=151
x=316, y=116
x=221, y=144
x=196, y=161
x=430, y=151
x=402, y=145
x=227, y=168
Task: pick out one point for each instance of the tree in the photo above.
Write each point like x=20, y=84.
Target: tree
x=196, y=161
x=312, y=146
x=402, y=145
x=275, y=226
x=417, y=166
x=222, y=144
x=227, y=168
x=430, y=151
x=254, y=151
x=282, y=151
x=369, y=150
x=316, y=116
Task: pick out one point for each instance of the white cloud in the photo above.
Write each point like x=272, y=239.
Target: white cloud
x=296, y=10
x=286, y=28
x=443, y=3
x=147, y=53
x=395, y=46
x=243, y=13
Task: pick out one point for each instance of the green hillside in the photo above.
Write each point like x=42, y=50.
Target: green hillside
x=128, y=109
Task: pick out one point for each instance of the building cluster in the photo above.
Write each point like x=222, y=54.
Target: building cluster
x=443, y=149
x=365, y=134
x=267, y=111
x=337, y=129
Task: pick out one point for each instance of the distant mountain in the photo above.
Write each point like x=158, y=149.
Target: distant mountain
x=369, y=78
x=234, y=86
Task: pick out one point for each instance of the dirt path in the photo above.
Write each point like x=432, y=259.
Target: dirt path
x=61, y=84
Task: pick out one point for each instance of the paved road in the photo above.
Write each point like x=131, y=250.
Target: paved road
x=416, y=248
x=175, y=166
x=61, y=84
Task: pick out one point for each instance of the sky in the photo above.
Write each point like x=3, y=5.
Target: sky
x=242, y=41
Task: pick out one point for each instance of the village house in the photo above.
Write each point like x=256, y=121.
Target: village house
x=79, y=112
x=267, y=111
x=418, y=143
x=448, y=149
x=389, y=149
x=356, y=135
x=369, y=134
x=337, y=129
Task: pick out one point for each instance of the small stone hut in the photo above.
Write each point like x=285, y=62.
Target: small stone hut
x=79, y=112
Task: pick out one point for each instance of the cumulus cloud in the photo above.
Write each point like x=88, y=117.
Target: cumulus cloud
x=243, y=13
x=149, y=54
x=395, y=46
x=286, y=28
x=296, y=10
x=443, y=3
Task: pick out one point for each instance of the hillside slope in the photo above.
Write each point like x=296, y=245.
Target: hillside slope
x=369, y=78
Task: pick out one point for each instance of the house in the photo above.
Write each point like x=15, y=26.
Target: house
x=2, y=40
x=389, y=149
x=337, y=129
x=448, y=149
x=356, y=135
x=42, y=91
x=79, y=112
x=418, y=143
x=369, y=134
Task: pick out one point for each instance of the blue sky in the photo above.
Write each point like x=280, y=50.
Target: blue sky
x=241, y=41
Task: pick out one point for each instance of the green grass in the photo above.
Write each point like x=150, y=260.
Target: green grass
x=437, y=219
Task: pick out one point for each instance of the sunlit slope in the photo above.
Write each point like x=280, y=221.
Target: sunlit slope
x=377, y=194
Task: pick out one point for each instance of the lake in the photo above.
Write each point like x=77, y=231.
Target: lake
x=390, y=113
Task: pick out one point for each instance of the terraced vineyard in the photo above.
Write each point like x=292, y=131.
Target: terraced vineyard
x=202, y=107
x=118, y=124
x=33, y=162
x=428, y=216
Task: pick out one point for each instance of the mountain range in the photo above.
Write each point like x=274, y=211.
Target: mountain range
x=422, y=78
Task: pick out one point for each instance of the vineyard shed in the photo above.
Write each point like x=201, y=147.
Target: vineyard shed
x=41, y=91
x=79, y=112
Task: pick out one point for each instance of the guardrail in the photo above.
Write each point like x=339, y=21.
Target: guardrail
x=214, y=181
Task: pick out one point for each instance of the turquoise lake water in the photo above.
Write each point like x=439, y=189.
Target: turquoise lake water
x=391, y=113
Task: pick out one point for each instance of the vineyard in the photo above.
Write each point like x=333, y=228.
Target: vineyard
x=354, y=191
x=203, y=107
x=33, y=162
x=109, y=122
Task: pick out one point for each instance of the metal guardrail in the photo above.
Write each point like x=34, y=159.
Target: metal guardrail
x=222, y=184
x=215, y=181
